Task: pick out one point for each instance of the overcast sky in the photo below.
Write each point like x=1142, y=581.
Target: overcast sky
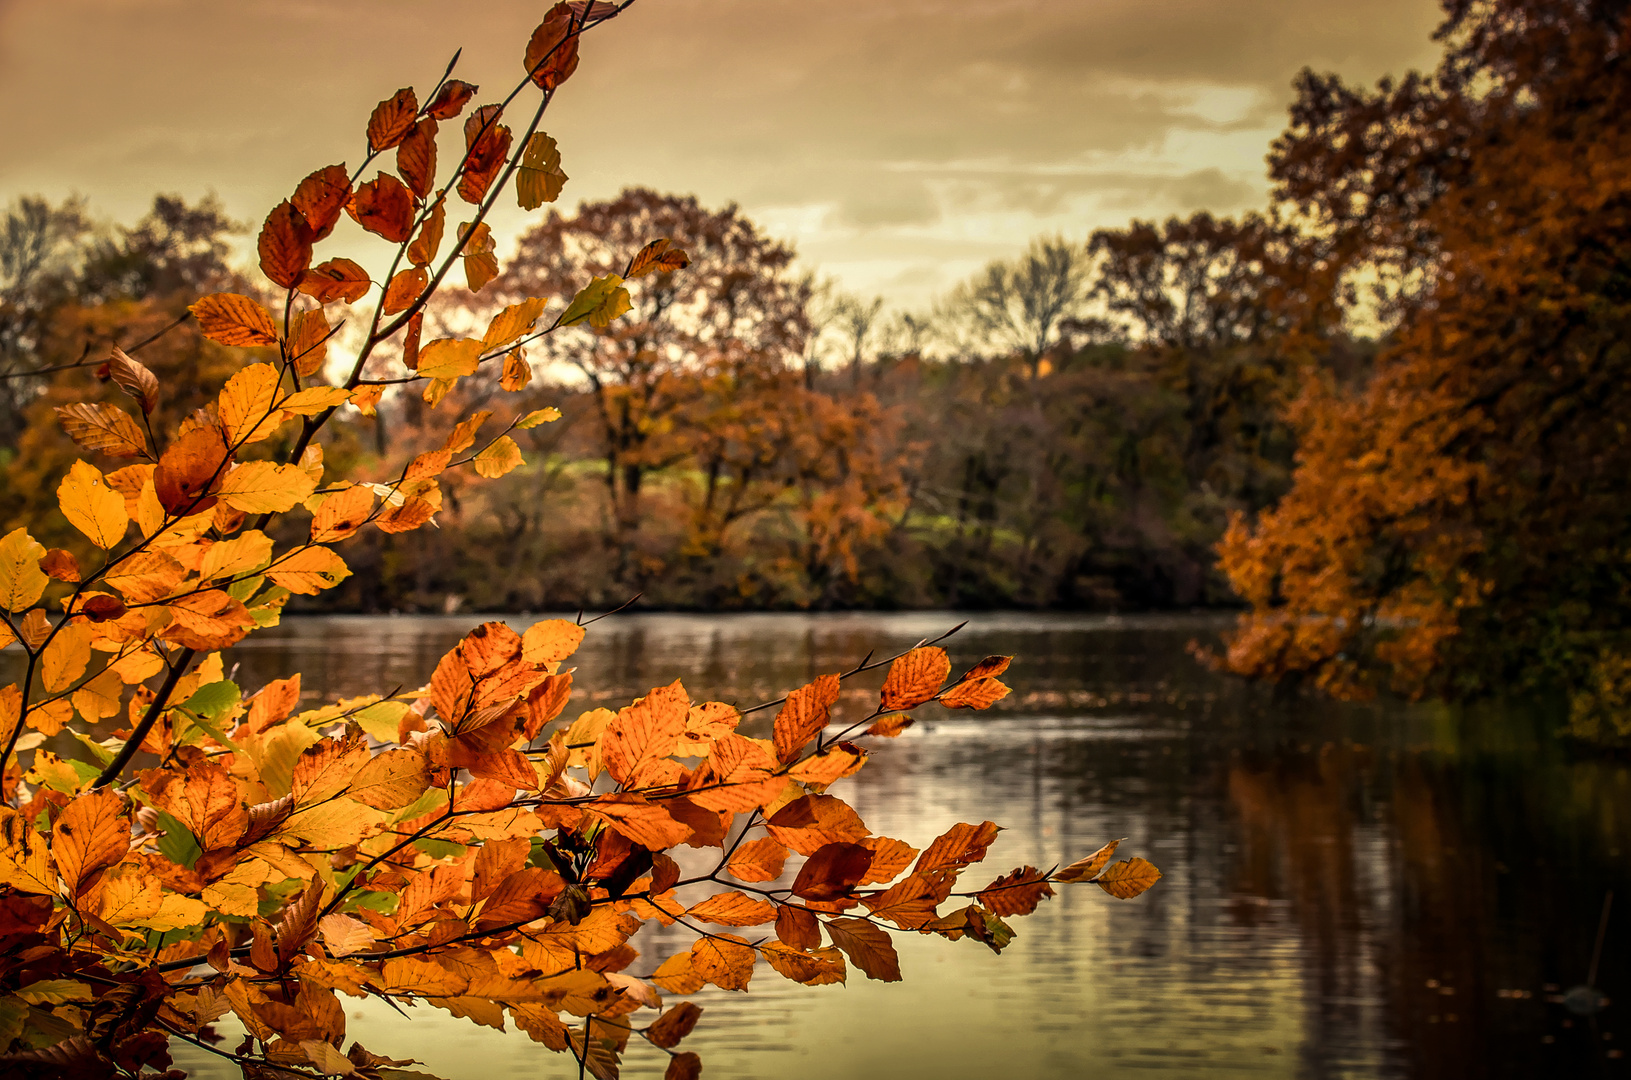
x=899, y=143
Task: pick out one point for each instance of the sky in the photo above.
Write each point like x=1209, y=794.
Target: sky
x=899, y=144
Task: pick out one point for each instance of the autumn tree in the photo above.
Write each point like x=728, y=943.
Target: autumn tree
x=1021, y=304
x=460, y=844
x=1459, y=522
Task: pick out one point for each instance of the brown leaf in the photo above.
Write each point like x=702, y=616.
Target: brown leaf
x=1088, y=868
x=450, y=100
x=798, y=927
x=520, y=898
x=321, y=197
x=832, y=871
x=392, y=119
x=1128, y=878
x=192, y=465
x=405, y=288
x=60, y=565
x=487, y=145
x=429, y=241
x=135, y=379
x=819, y=968
x=958, y=847
x=889, y=858
x=675, y=1024
x=285, y=245
x=804, y=715
x=552, y=54
x=480, y=264
x=1017, y=893
x=657, y=257
x=308, y=342
x=416, y=157
x=915, y=678
x=989, y=668
x=100, y=607
x=103, y=427
x=384, y=207
x=336, y=279
x=868, y=947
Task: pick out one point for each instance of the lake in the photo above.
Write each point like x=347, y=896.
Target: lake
x=1349, y=891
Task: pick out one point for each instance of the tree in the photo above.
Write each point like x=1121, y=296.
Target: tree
x=1458, y=524
x=457, y=845
x=1021, y=304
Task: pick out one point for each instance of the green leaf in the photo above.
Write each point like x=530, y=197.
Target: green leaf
x=601, y=301
x=383, y=902
x=55, y=992
x=102, y=753
x=178, y=844
x=440, y=849
x=12, y=1013
x=243, y=589
x=382, y=720
x=86, y=772
x=213, y=699
x=540, y=178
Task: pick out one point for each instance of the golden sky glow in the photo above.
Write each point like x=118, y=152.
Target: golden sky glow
x=899, y=143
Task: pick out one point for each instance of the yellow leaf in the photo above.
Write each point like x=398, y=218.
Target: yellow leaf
x=1088, y=868
x=538, y=416
x=100, y=697
x=309, y=570
x=90, y=834
x=246, y=405
x=449, y=358
x=342, y=514
x=315, y=399
x=501, y=457
x=229, y=558
x=540, y=178
x=511, y=323
x=25, y=858
x=259, y=487
x=601, y=301
x=91, y=506
x=366, y=398
x=1127, y=878
x=21, y=579
x=464, y=433
x=65, y=658
x=517, y=372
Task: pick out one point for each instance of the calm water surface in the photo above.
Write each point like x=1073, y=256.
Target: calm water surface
x=1350, y=891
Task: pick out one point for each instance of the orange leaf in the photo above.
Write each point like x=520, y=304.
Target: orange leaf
x=342, y=514
x=285, y=245
x=890, y=726
x=733, y=908
x=191, y=465
x=657, y=257
x=810, y=823
x=103, y=427
x=336, y=279
x=384, y=207
x=90, y=834
x=683, y=1066
x=520, y=898
x=231, y=319
x=974, y=694
x=724, y=960
x=959, y=846
x=487, y=144
x=831, y=765
x=549, y=641
x=60, y=565
x=644, y=732
x=308, y=342
x=740, y=776
x=320, y=198
x=429, y=241
x=989, y=668
x=915, y=678
x=817, y=968
x=262, y=487
x=643, y=822
x=416, y=157
x=405, y=288
x=758, y=860
x=392, y=119
x=205, y=800
x=1017, y=893
x=804, y=715
x=1127, y=878
x=889, y=858
x=207, y=620
x=517, y=372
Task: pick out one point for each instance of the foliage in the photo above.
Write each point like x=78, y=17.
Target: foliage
x=458, y=844
x=1458, y=523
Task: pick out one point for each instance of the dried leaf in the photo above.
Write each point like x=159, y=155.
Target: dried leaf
x=915, y=678
x=231, y=319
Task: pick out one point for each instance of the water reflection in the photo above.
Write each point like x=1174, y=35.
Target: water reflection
x=1374, y=891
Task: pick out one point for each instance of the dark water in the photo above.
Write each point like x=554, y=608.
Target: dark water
x=1371, y=891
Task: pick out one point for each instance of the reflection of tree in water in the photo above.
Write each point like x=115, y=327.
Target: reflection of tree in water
x=1458, y=893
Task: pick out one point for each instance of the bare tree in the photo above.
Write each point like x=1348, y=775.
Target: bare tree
x=856, y=318
x=1018, y=304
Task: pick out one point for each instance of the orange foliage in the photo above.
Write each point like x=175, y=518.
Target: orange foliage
x=448, y=845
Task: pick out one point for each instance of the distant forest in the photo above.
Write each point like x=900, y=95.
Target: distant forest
x=1387, y=414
